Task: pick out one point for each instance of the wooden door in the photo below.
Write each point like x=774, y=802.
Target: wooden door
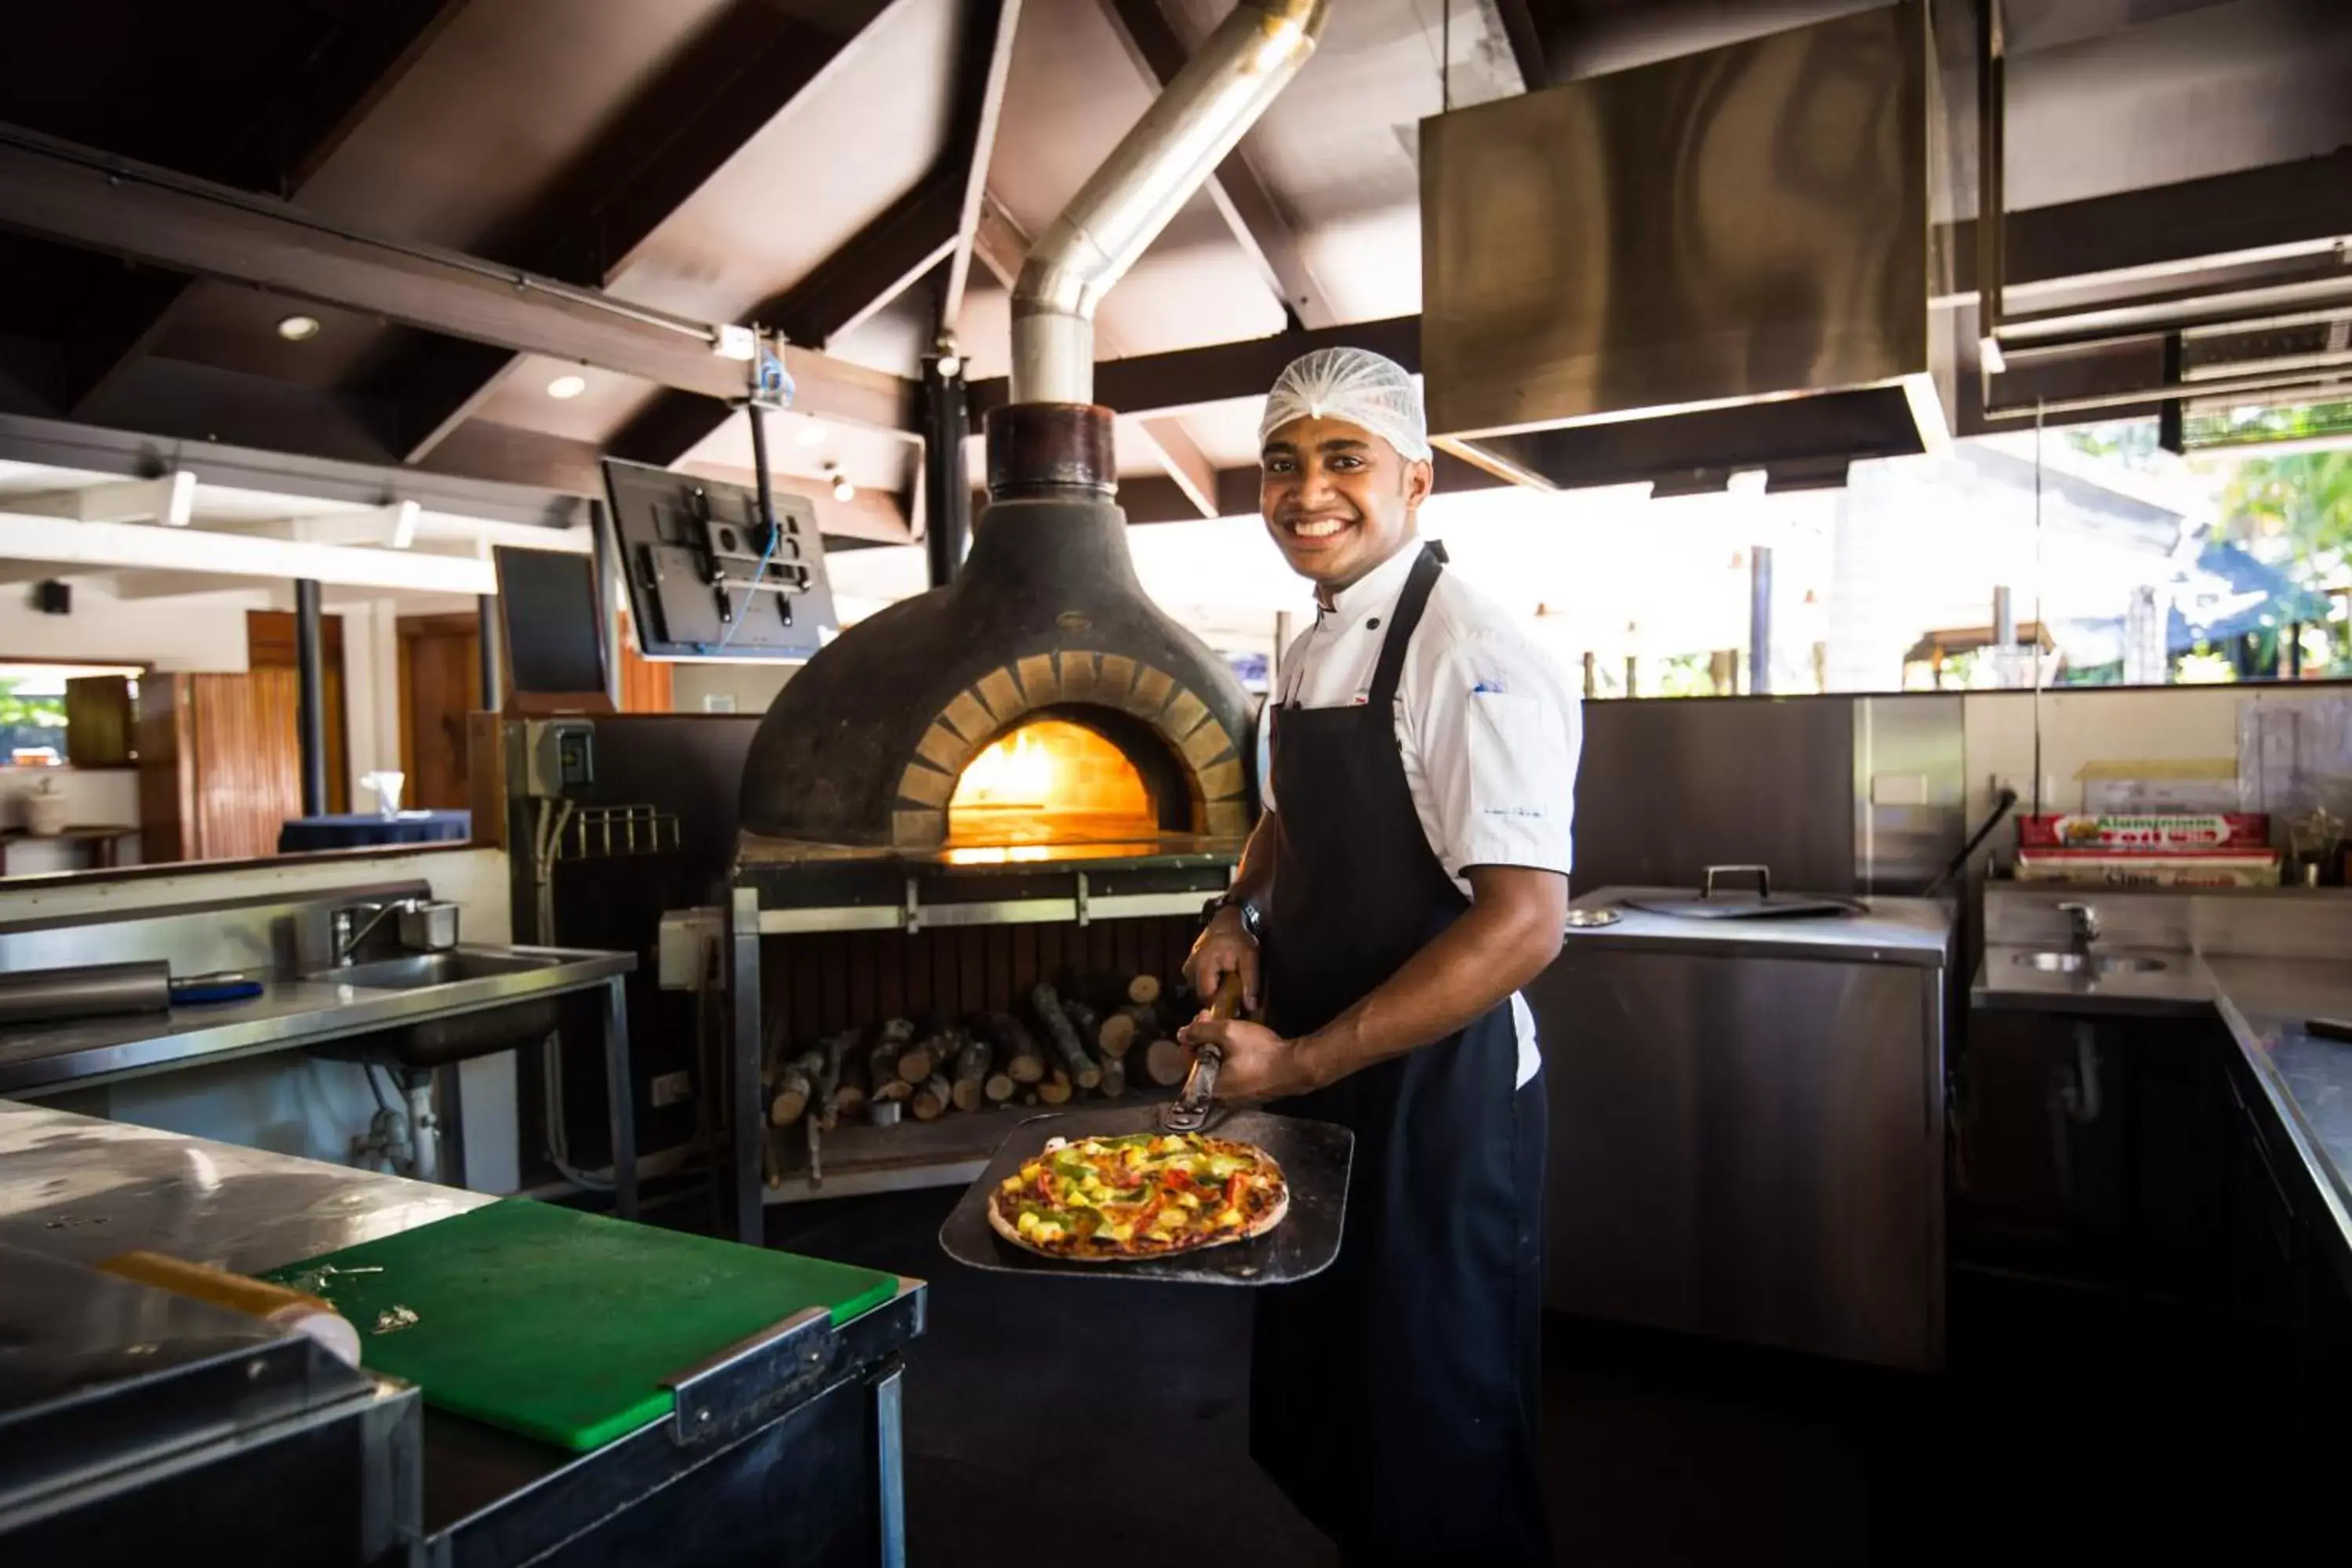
x=440, y=683
x=248, y=768
x=269, y=644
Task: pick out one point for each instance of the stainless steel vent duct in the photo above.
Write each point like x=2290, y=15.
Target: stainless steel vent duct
x=1713, y=263
x=1177, y=144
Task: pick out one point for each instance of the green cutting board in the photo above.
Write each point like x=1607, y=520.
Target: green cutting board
x=562, y=1325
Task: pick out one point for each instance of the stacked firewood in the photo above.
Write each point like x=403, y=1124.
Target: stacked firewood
x=1103, y=1035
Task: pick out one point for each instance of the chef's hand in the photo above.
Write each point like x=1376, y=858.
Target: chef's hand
x=1259, y=1064
x=1224, y=947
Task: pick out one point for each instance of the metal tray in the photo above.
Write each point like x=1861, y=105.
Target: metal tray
x=1315, y=1157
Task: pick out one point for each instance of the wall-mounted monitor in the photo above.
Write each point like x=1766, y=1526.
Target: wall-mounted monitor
x=555, y=639
x=707, y=578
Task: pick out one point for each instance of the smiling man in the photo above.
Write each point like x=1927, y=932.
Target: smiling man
x=1408, y=875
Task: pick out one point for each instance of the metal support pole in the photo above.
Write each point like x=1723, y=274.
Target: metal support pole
x=1992, y=154
x=740, y=1098
x=890, y=1466
x=947, y=486
x=1759, y=619
x=494, y=680
x=2005, y=619
x=621, y=1096
x=311, y=706
x=608, y=619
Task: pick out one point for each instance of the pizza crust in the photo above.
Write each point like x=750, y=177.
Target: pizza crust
x=1249, y=1229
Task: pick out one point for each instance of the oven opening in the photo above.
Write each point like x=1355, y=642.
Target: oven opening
x=1069, y=777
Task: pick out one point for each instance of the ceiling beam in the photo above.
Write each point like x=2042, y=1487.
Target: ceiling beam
x=977, y=157
x=907, y=242
x=734, y=79
x=317, y=110
x=55, y=190
x=1186, y=464
x=167, y=498
x=1188, y=378
x=105, y=546
x=1241, y=198
x=1525, y=34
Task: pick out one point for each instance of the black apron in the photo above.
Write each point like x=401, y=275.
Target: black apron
x=1394, y=1395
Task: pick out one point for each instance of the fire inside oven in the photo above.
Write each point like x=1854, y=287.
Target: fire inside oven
x=1071, y=776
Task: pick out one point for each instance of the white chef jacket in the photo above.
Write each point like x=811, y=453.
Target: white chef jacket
x=1487, y=725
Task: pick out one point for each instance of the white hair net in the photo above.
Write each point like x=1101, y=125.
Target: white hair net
x=1354, y=384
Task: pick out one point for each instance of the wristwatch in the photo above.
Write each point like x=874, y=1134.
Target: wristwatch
x=1253, y=917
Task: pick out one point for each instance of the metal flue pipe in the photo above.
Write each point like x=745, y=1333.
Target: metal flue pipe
x=1176, y=146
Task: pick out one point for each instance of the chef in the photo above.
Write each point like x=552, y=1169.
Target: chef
x=1408, y=875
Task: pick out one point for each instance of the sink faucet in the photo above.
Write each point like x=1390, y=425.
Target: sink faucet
x=346, y=939
x=2083, y=927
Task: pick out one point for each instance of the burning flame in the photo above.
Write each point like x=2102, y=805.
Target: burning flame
x=1015, y=771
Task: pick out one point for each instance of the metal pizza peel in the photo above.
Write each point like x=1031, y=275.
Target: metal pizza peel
x=1315, y=1157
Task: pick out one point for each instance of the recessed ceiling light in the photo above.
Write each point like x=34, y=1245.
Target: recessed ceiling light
x=567, y=386
x=297, y=329
x=811, y=433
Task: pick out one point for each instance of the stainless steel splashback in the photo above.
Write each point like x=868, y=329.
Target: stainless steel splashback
x=1713, y=263
x=1837, y=795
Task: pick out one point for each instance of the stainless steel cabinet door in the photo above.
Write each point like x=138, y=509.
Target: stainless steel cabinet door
x=1748, y=1147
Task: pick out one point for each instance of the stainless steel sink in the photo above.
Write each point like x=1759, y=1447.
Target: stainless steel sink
x=2092, y=963
x=411, y=971
x=440, y=1041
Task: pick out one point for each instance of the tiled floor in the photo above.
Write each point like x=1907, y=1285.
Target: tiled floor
x=2058, y=1437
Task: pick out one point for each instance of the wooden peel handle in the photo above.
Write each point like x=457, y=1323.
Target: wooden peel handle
x=1227, y=1002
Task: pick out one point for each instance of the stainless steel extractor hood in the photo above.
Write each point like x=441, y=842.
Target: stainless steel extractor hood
x=1711, y=264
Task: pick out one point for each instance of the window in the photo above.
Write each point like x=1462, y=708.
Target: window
x=33, y=708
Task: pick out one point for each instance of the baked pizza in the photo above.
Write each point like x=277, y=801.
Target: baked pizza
x=1146, y=1195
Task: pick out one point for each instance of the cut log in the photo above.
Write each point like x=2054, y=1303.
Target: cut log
x=795, y=1088
x=883, y=1112
x=969, y=1084
x=1055, y=1090
x=1087, y=1022
x=932, y=1100
x=1114, y=1078
x=890, y=1043
x=1028, y=1097
x=1016, y=1049
x=1165, y=1062
x=933, y=1048
x=1143, y=990
x=1047, y=1004
x=1137, y=1024
x=838, y=1051
x=998, y=1088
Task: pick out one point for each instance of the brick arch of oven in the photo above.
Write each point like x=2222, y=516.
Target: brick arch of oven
x=1197, y=782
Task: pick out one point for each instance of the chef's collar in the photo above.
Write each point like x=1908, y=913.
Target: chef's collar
x=1375, y=590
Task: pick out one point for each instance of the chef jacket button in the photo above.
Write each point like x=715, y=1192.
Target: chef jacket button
x=1373, y=625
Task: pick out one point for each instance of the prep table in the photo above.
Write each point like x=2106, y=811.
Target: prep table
x=800, y=1462
x=1748, y=1124
x=2306, y=1081
x=285, y=942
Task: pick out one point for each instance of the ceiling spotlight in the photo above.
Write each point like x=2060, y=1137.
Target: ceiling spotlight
x=843, y=490
x=297, y=329
x=565, y=387
x=811, y=433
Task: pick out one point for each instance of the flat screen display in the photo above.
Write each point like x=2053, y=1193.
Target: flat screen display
x=554, y=640
x=707, y=578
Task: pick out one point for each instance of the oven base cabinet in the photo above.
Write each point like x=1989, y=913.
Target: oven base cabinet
x=1748, y=1147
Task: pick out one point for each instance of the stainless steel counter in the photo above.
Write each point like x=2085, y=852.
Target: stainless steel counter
x=1888, y=931
x=82, y=1189
x=2263, y=1002
x=291, y=1012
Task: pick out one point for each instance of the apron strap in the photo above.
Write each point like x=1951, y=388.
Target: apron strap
x=1410, y=605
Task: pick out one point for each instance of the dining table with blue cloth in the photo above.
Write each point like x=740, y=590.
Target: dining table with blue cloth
x=361, y=829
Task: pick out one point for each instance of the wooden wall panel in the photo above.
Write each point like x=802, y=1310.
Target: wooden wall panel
x=167, y=812
x=247, y=775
